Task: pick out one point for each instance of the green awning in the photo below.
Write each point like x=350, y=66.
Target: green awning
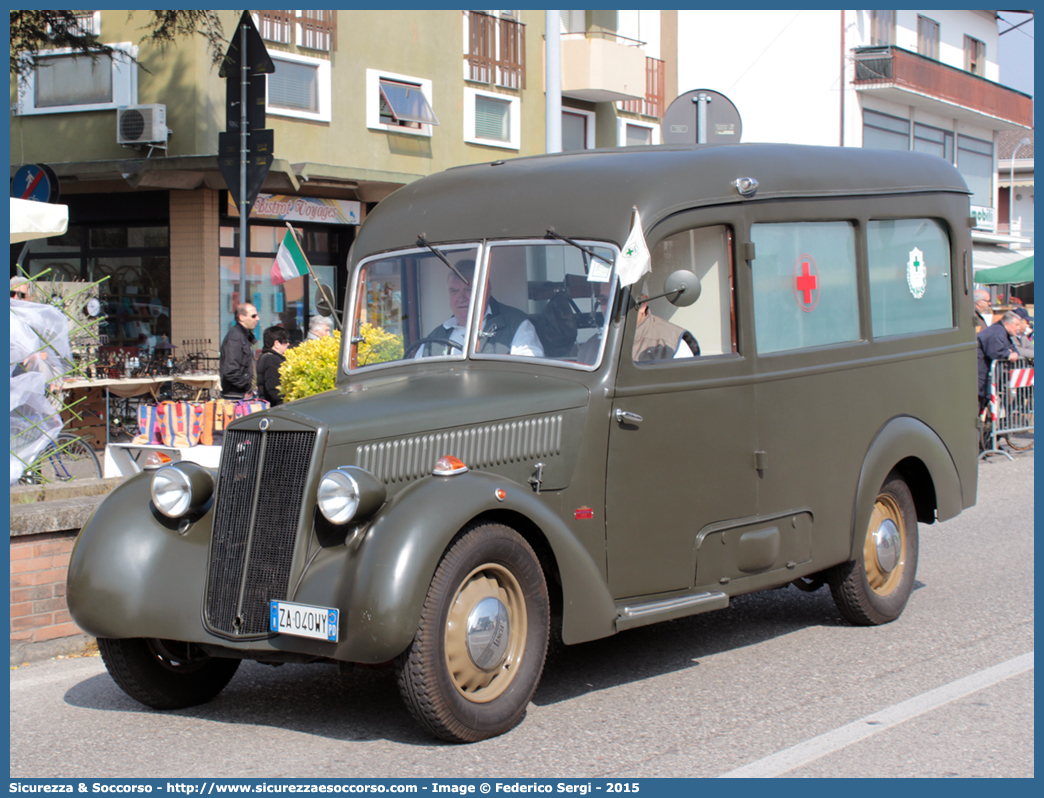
x=1017, y=273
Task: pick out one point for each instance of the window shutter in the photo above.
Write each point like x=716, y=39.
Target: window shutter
x=492, y=119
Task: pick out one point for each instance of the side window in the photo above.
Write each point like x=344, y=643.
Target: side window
x=910, y=285
x=804, y=285
x=707, y=327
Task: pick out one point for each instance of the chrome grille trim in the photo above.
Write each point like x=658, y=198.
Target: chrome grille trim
x=488, y=446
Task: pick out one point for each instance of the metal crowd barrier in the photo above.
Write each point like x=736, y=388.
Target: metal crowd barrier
x=1010, y=411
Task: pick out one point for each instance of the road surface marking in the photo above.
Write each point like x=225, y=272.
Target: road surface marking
x=801, y=754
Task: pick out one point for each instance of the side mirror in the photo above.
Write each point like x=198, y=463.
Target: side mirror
x=322, y=307
x=682, y=288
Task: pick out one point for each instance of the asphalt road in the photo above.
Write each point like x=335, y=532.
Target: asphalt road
x=777, y=684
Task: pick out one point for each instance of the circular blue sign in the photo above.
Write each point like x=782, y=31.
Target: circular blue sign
x=34, y=182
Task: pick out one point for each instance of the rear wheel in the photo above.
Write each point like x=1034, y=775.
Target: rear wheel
x=875, y=587
x=478, y=654
x=165, y=674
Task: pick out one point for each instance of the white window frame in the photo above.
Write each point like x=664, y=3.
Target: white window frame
x=514, y=141
x=324, y=93
x=124, y=84
x=592, y=118
x=373, y=102
x=621, y=130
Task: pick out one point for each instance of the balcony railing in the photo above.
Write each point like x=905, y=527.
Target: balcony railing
x=496, y=50
x=893, y=67
x=652, y=105
x=318, y=29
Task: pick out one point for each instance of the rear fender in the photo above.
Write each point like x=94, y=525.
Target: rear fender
x=905, y=439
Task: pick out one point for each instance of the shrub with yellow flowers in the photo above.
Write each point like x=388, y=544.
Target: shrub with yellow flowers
x=310, y=367
x=377, y=346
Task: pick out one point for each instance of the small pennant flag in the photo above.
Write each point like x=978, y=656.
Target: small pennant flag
x=290, y=261
x=634, y=258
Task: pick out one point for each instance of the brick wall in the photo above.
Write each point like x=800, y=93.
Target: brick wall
x=194, y=289
x=39, y=564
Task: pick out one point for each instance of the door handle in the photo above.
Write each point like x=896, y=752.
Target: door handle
x=627, y=418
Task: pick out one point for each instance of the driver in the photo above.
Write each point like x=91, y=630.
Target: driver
x=505, y=329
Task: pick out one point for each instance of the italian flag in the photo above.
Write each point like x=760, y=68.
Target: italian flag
x=290, y=261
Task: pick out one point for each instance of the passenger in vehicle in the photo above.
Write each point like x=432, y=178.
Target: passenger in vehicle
x=505, y=329
x=659, y=339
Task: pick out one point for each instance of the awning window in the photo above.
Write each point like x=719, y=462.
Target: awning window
x=405, y=103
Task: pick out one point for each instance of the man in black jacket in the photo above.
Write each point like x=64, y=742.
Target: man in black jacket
x=237, y=354
x=276, y=342
x=996, y=342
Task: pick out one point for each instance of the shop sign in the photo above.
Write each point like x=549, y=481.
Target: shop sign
x=985, y=218
x=313, y=210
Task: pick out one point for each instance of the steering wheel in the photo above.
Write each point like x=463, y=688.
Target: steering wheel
x=433, y=340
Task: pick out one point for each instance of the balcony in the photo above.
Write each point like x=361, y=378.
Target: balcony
x=496, y=50
x=652, y=105
x=602, y=67
x=910, y=79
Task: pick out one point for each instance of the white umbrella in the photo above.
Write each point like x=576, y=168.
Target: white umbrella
x=30, y=219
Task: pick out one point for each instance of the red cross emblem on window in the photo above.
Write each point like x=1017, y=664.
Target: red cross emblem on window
x=806, y=283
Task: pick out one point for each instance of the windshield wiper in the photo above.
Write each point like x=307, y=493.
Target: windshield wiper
x=551, y=232
x=424, y=243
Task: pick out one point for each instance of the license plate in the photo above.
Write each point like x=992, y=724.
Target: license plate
x=303, y=620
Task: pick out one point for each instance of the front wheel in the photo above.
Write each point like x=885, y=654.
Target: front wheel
x=165, y=674
x=479, y=651
x=874, y=588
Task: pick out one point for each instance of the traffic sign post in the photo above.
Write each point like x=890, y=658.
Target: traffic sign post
x=245, y=147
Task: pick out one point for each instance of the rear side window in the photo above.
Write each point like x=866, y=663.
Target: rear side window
x=804, y=285
x=910, y=284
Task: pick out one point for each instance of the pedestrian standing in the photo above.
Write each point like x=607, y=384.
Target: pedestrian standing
x=276, y=341
x=237, y=354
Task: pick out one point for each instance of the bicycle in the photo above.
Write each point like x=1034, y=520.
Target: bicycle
x=70, y=457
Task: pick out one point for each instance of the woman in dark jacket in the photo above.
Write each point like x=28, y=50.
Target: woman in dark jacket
x=276, y=342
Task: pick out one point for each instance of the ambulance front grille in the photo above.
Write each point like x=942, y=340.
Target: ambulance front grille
x=252, y=546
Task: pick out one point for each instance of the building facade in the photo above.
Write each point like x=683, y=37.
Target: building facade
x=359, y=104
x=909, y=80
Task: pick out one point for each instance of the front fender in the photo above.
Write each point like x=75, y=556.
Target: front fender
x=131, y=574
x=901, y=438
x=389, y=573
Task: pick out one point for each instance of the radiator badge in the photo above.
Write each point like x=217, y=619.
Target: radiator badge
x=264, y=424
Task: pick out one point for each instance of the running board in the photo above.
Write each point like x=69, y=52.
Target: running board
x=632, y=615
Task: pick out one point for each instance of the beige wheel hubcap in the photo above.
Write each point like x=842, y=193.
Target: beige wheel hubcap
x=485, y=633
x=884, y=551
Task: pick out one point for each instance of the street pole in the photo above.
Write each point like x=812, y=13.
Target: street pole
x=244, y=205
x=1011, y=186
x=553, y=88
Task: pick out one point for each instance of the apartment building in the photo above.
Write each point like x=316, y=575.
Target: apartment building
x=360, y=103
x=910, y=80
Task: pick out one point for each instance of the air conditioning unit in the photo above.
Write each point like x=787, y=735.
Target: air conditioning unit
x=142, y=124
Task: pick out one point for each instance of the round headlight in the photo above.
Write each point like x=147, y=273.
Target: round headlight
x=349, y=492
x=171, y=491
x=338, y=497
x=181, y=489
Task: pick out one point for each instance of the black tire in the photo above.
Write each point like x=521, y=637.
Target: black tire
x=873, y=590
x=164, y=674
x=1019, y=441
x=71, y=458
x=444, y=688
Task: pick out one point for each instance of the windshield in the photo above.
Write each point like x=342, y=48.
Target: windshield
x=539, y=299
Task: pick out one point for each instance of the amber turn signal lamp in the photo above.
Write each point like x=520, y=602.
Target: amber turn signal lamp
x=449, y=466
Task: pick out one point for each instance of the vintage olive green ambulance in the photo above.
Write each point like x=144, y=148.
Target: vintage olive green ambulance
x=536, y=428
